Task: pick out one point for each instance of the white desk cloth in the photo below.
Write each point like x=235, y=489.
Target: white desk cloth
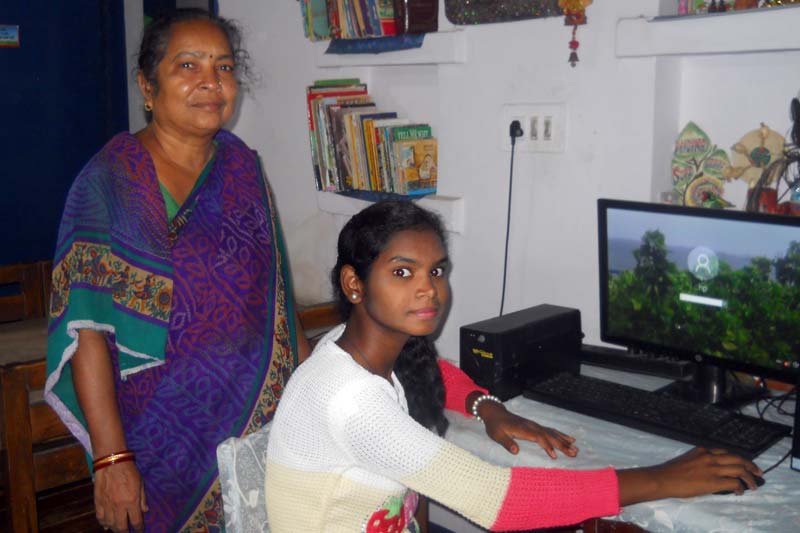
x=775, y=507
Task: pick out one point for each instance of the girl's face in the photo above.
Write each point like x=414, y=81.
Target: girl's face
x=407, y=286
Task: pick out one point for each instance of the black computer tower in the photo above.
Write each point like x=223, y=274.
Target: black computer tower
x=501, y=353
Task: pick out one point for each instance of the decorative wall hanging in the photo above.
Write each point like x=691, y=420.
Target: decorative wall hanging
x=574, y=15
x=777, y=189
x=753, y=153
x=464, y=12
x=697, y=169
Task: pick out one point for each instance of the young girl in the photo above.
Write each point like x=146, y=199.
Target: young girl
x=346, y=455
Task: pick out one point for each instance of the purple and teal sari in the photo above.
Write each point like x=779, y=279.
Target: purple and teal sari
x=199, y=323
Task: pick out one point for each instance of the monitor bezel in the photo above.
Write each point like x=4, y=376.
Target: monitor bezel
x=787, y=375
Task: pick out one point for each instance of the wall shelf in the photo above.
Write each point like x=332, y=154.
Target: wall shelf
x=450, y=208
x=437, y=48
x=755, y=30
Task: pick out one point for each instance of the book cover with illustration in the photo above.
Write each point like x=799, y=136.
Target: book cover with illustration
x=417, y=166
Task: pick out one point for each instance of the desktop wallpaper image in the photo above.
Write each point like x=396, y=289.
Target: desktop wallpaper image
x=723, y=288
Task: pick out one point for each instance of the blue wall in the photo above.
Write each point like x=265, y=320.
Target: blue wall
x=63, y=94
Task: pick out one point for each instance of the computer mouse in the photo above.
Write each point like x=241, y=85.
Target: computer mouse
x=759, y=482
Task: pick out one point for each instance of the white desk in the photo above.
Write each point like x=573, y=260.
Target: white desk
x=775, y=507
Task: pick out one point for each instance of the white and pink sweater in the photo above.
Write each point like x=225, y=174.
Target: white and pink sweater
x=344, y=455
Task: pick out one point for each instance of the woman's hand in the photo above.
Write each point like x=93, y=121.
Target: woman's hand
x=696, y=472
x=504, y=426
x=118, y=488
x=119, y=497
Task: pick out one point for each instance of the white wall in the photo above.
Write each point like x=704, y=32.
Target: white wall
x=134, y=23
x=610, y=103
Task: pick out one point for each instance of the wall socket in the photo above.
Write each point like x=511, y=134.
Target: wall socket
x=544, y=127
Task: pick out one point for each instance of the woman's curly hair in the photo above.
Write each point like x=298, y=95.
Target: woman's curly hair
x=157, y=33
x=361, y=240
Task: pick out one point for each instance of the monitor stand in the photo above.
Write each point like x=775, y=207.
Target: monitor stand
x=711, y=384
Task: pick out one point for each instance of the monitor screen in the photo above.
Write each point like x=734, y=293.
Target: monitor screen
x=714, y=286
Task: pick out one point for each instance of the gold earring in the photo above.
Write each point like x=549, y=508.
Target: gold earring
x=148, y=107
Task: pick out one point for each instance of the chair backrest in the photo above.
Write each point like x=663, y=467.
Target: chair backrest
x=21, y=292
x=45, y=272
x=40, y=452
x=318, y=319
x=242, y=469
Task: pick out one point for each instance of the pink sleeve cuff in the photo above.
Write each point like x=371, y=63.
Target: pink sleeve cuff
x=457, y=386
x=548, y=497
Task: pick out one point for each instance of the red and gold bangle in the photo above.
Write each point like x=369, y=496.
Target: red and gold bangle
x=113, y=458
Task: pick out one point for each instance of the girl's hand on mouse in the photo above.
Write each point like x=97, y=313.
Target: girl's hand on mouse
x=504, y=426
x=698, y=471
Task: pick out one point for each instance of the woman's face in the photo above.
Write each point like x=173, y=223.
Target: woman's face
x=407, y=288
x=197, y=86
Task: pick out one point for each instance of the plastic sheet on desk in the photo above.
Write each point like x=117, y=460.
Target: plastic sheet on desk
x=772, y=508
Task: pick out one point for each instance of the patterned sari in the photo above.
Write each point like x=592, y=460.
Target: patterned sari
x=199, y=323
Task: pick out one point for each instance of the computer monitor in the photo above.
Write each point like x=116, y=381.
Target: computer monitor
x=717, y=287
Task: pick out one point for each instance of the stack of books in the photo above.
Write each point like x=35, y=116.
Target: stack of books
x=357, y=19
x=356, y=146
x=348, y=19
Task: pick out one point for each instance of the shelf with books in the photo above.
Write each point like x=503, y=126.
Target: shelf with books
x=450, y=208
x=440, y=47
x=754, y=30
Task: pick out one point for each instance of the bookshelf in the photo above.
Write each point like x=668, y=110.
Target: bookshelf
x=673, y=41
x=438, y=48
x=450, y=208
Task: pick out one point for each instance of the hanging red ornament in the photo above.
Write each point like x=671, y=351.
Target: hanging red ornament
x=573, y=45
x=574, y=15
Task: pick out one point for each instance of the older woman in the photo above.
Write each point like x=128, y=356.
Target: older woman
x=172, y=323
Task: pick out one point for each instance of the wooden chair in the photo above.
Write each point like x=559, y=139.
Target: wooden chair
x=317, y=319
x=22, y=292
x=45, y=474
x=44, y=272
x=47, y=483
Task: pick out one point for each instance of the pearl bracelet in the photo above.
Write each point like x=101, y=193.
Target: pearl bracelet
x=479, y=399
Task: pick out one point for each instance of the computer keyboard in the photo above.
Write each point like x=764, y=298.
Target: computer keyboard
x=694, y=423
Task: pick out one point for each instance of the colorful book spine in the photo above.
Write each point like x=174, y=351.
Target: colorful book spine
x=333, y=19
x=374, y=19
x=386, y=17
x=312, y=93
